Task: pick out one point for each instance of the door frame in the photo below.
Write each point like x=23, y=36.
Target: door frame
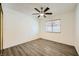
x=1, y=30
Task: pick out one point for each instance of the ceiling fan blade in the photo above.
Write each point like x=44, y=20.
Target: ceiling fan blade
x=48, y=13
x=36, y=9
x=44, y=16
x=46, y=9
x=35, y=14
x=38, y=16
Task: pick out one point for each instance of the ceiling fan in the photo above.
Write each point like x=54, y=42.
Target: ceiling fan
x=43, y=12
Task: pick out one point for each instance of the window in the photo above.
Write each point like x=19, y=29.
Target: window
x=53, y=26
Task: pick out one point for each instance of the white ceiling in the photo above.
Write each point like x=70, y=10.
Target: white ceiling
x=56, y=8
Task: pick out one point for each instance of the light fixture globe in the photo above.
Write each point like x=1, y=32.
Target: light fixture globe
x=41, y=14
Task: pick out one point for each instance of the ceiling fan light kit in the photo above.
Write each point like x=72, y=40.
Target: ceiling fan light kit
x=41, y=14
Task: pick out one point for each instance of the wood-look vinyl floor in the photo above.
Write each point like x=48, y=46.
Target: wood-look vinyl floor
x=40, y=47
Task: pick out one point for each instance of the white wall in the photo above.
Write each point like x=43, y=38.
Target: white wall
x=67, y=29
x=18, y=27
x=77, y=29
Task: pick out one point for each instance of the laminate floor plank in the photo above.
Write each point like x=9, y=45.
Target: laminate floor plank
x=15, y=51
x=10, y=52
x=38, y=50
x=22, y=53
